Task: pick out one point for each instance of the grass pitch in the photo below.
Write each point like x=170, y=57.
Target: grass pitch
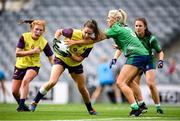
x=77, y=112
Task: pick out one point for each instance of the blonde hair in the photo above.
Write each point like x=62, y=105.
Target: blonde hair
x=33, y=23
x=38, y=22
x=120, y=15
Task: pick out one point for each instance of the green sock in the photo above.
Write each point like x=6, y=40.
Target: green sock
x=134, y=106
x=158, y=106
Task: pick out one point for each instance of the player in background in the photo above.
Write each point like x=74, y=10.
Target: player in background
x=150, y=42
x=2, y=86
x=28, y=50
x=106, y=78
x=72, y=61
x=132, y=48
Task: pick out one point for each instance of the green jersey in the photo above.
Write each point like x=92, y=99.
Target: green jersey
x=126, y=40
x=151, y=43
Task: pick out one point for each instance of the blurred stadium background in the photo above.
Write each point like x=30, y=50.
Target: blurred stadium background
x=163, y=18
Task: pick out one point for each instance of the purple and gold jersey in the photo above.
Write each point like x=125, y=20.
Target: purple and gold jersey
x=79, y=50
x=27, y=43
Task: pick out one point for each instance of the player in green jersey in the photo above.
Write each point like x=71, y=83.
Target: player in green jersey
x=150, y=42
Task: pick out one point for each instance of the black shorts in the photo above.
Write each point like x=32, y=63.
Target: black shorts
x=75, y=69
x=20, y=73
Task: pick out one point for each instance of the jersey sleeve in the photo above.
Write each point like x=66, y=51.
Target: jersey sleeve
x=86, y=53
x=67, y=32
x=47, y=50
x=112, y=32
x=154, y=44
x=21, y=43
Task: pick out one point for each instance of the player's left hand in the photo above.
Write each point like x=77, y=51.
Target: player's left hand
x=160, y=64
x=69, y=42
x=58, y=33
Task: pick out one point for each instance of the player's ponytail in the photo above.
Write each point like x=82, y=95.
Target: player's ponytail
x=94, y=26
x=119, y=15
x=33, y=23
x=123, y=19
x=29, y=21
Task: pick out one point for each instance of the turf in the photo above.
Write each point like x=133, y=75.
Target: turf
x=77, y=112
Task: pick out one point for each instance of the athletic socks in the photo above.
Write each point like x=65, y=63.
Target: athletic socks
x=38, y=97
x=21, y=103
x=89, y=106
x=17, y=100
x=134, y=106
x=158, y=106
x=42, y=91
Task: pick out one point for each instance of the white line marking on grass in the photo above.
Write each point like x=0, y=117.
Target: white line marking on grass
x=114, y=119
x=123, y=119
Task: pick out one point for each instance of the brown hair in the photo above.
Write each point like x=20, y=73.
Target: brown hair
x=147, y=32
x=94, y=26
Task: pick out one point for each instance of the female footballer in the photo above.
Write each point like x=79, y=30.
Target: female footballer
x=150, y=42
x=71, y=61
x=132, y=48
x=28, y=50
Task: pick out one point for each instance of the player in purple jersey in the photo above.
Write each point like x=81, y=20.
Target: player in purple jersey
x=28, y=50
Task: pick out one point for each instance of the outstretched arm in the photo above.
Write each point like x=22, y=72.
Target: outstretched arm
x=101, y=37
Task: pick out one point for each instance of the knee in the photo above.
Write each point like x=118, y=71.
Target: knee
x=120, y=84
x=25, y=83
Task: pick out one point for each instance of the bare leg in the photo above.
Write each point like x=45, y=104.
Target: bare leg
x=127, y=73
x=96, y=93
x=29, y=76
x=136, y=89
x=80, y=81
x=16, y=84
x=150, y=80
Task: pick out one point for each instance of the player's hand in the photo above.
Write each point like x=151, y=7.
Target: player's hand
x=36, y=50
x=69, y=42
x=160, y=64
x=58, y=33
x=113, y=62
